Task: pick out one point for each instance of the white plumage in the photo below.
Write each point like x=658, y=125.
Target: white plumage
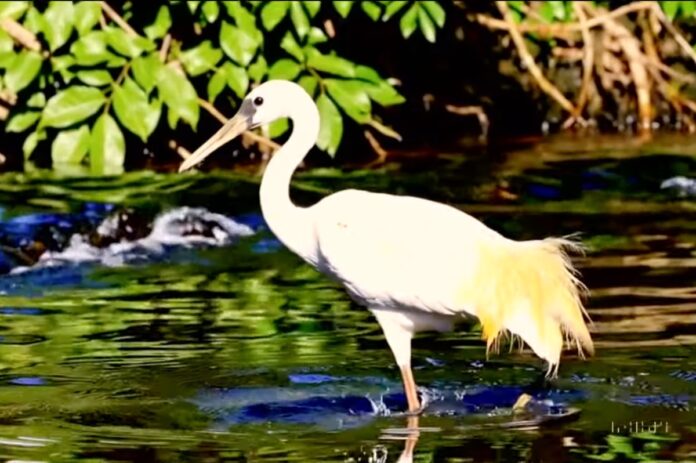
x=416, y=264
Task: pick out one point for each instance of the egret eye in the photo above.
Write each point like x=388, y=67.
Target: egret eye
x=258, y=101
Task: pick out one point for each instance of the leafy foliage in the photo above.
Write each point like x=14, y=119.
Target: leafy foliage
x=82, y=76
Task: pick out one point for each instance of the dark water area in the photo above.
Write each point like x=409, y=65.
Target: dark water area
x=152, y=317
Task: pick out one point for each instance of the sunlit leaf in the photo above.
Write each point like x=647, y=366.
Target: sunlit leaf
x=33, y=20
x=384, y=94
x=343, y=7
x=179, y=96
x=12, y=9
x=162, y=23
x=299, y=19
x=290, y=45
x=312, y=7
x=244, y=20
x=145, y=69
x=70, y=106
x=409, y=21
x=258, y=69
x=37, y=100
x=670, y=8
x=87, y=15
x=273, y=13
x=94, y=77
x=31, y=142
x=316, y=36
x=237, y=44
x=90, y=49
x=351, y=97
x=331, y=64
x=436, y=12
x=24, y=69
x=309, y=83
x=331, y=127
x=107, y=147
x=200, y=59
x=133, y=109
x=193, y=5
x=427, y=26
x=70, y=146
x=6, y=42
x=237, y=79
x=278, y=127
x=392, y=8
x=20, y=122
x=127, y=45
x=217, y=83
x=58, y=23
x=371, y=9
x=284, y=69
x=211, y=11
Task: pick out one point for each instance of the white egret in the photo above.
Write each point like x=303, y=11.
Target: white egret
x=417, y=265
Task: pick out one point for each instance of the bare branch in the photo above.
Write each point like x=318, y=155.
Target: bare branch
x=115, y=17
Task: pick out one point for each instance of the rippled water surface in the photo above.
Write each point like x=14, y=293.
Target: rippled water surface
x=231, y=349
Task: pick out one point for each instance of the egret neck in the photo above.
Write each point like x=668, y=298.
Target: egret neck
x=288, y=222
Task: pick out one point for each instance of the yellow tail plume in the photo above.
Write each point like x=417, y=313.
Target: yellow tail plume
x=537, y=296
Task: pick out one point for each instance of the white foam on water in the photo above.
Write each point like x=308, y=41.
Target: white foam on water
x=184, y=226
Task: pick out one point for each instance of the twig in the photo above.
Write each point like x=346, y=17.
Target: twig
x=115, y=17
x=376, y=147
x=20, y=34
x=587, y=60
x=384, y=130
x=475, y=110
x=673, y=30
x=164, y=49
x=528, y=60
x=213, y=111
x=180, y=150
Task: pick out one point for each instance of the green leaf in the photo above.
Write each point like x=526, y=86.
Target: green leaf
x=87, y=15
x=331, y=127
x=278, y=127
x=312, y=7
x=436, y=12
x=162, y=23
x=193, y=5
x=369, y=74
x=6, y=42
x=90, y=49
x=133, y=109
x=70, y=146
x=71, y=106
x=331, y=64
x=371, y=9
x=12, y=9
x=127, y=45
x=316, y=36
x=273, y=13
x=237, y=79
x=290, y=45
x=7, y=59
x=201, y=58
x=145, y=69
x=351, y=97
x=245, y=20
x=427, y=26
x=384, y=94
x=211, y=11
x=309, y=83
x=408, y=21
x=392, y=8
x=284, y=69
x=299, y=19
x=31, y=142
x=670, y=8
x=237, y=44
x=216, y=84
x=21, y=122
x=257, y=70
x=37, y=100
x=107, y=147
x=33, y=20
x=95, y=77
x=24, y=69
x=688, y=9
x=58, y=23
x=179, y=96
x=343, y=7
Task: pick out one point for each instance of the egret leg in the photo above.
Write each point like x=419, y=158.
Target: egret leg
x=398, y=330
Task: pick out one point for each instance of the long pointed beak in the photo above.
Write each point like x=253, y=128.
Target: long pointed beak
x=230, y=130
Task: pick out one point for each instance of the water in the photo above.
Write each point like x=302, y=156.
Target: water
x=174, y=347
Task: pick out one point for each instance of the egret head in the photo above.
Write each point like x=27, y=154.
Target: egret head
x=269, y=101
